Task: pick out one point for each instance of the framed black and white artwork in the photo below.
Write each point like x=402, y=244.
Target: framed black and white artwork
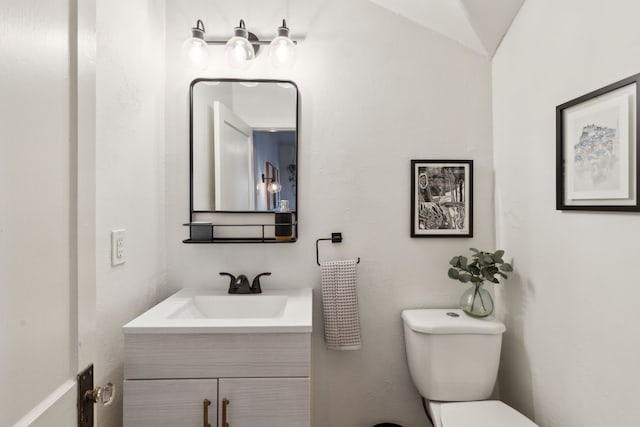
x=441, y=198
x=597, y=149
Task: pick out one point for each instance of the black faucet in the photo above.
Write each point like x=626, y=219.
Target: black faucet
x=255, y=286
x=240, y=284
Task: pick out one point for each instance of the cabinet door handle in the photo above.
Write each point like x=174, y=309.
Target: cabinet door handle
x=205, y=412
x=225, y=403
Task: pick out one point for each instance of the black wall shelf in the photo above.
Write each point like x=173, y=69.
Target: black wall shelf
x=241, y=240
x=260, y=232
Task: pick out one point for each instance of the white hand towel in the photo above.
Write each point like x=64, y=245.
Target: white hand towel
x=340, y=305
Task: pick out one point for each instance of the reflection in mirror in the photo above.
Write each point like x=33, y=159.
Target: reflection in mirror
x=244, y=140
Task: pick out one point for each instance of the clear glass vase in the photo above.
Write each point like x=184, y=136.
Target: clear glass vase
x=476, y=301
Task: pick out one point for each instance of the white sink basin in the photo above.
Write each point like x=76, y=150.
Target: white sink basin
x=232, y=307
x=216, y=311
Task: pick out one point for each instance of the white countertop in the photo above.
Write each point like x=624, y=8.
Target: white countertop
x=165, y=318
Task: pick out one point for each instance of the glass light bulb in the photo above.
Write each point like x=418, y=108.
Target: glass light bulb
x=239, y=52
x=275, y=187
x=282, y=52
x=195, y=50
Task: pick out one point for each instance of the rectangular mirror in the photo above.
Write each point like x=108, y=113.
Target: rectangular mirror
x=244, y=145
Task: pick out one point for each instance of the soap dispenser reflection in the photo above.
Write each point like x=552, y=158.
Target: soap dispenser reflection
x=284, y=222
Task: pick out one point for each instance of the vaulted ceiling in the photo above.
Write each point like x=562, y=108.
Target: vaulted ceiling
x=477, y=24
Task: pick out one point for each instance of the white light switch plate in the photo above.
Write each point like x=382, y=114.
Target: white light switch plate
x=117, y=247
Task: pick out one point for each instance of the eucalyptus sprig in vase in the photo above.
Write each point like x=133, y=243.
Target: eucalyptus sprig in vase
x=476, y=301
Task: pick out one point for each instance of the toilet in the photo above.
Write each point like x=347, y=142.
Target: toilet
x=453, y=359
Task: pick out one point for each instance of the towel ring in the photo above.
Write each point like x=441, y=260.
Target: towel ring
x=335, y=238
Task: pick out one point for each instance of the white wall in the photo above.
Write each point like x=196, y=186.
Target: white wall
x=370, y=102
x=129, y=175
x=570, y=356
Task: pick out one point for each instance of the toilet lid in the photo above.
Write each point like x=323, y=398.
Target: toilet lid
x=450, y=321
x=486, y=413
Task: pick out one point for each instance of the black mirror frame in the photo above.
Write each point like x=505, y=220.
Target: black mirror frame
x=297, y=141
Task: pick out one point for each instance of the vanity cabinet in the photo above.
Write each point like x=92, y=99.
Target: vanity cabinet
x=263, y=376
x=170, y=403
x=266, y=402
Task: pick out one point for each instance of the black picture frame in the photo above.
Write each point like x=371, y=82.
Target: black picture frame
x=441, y=198
x=597, y=153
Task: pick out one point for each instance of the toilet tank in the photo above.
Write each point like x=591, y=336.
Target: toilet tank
x=451, y=355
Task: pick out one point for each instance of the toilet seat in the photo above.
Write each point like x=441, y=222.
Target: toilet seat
x=484, y=413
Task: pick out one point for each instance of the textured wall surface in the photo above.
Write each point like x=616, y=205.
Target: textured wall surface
x=129, y=175
x=376, y=92
x=570, y=356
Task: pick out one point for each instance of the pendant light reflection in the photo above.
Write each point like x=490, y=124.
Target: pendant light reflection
x=194, y=49
x=282, y=50
x=238, y=49
x=272, y=187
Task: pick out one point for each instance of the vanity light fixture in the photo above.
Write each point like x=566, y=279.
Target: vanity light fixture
x=195, y=48
x=239, y=50
x=282, y=49
x=243, y=47
x=274, y=186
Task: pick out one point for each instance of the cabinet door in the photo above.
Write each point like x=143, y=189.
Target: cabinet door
x=266, y=402
x=170, y=403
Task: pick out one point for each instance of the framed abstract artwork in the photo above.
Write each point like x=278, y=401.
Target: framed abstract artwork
x=441, y=198
x=597, y=149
